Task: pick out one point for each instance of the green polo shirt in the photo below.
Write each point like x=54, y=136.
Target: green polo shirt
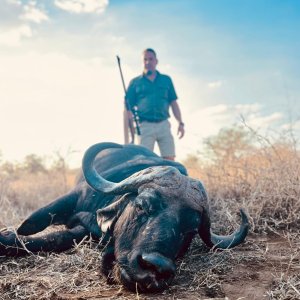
x=152, y=98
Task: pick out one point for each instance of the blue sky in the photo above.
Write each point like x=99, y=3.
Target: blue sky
x=60, y=88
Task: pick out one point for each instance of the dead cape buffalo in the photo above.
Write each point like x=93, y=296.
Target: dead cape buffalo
x=146, y=211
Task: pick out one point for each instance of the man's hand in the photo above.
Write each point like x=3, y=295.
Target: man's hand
x=180, y=131
x=177, y=115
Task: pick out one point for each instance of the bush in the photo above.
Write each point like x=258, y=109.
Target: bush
x=263, y=178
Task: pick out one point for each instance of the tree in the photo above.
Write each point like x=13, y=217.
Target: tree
x=228, y=145
x=34, y=164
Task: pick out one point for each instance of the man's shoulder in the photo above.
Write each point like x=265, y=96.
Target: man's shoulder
x=165, y=78
x=164, y=75
x=136, y=79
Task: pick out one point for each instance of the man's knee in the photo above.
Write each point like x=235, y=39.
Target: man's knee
x=169, y=157
x=147, y=142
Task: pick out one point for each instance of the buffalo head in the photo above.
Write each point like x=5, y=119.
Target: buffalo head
x=155, y=215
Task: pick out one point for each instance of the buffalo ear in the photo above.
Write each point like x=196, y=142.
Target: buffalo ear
x=108, y=216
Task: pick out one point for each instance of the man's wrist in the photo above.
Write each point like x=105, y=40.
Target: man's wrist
x=181, y=124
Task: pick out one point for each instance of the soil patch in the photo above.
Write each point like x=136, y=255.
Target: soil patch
x=261, y=268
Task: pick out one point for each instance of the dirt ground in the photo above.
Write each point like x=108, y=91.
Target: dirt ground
x=264, y=267
x=261, y=262
x=257, y=267
x=257, y=274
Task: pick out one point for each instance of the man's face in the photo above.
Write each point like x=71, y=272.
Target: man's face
x=150, y=61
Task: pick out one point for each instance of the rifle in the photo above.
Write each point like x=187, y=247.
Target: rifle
x=128, y=122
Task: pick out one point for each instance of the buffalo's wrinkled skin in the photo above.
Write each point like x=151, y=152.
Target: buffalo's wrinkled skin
x=145, y=210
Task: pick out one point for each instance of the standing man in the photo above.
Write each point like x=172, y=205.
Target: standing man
x=152, y=94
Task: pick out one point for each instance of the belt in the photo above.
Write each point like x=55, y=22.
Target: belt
x=152, y=121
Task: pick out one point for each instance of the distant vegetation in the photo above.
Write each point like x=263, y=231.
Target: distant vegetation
x=31, y=183
x=240, y=168
x=237, y=166
x=33, y=164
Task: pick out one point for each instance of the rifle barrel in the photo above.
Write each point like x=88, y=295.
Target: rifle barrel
x=135, y=116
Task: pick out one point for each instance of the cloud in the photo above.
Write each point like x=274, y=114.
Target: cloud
x=257, y=121
x=14, y=2
x=13, y=37
x=214, y=110
x=34, y=14
x=9, y=12
x=248, y=108
x=208, y=121
x=82, y=6
x=15, y=19
x=291, y=126
x=215, y=84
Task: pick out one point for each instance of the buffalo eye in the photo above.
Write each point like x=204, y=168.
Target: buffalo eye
x=139, y=205
x=139, y=208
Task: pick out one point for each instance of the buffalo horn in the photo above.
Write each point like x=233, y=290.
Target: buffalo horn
x=97, y=182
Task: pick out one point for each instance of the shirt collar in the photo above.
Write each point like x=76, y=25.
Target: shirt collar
x=144, y=75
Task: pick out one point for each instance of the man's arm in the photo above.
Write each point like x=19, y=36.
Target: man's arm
x=177, y=114
x=130, y=94
x=128, y=125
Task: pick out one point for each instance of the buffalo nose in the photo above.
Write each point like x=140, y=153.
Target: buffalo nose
x=158, y=263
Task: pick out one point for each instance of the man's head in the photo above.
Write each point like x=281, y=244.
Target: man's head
x=150, y=61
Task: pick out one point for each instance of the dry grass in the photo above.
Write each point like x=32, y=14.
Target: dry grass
x=24, y=193
x=265, y=182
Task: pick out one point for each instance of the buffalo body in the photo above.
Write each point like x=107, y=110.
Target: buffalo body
x=144, y=209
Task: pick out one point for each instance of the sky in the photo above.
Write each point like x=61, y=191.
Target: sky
x=61, y=91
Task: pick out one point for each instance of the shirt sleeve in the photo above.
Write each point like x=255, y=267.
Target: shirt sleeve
x=172, y=92
x=130, y=96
